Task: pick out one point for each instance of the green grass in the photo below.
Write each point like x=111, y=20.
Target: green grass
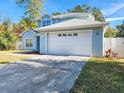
x=9, y=56
x=100, y=77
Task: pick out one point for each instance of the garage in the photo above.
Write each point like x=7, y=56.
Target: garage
x=73, y=37
x=70, y=42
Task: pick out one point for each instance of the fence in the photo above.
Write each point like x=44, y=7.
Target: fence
x=116, y=44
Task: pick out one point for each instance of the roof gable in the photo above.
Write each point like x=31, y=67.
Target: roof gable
x=30, y=30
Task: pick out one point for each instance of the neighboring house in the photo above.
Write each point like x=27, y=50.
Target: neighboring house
x=67, y=34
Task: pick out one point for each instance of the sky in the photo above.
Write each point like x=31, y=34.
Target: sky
x=9, y=9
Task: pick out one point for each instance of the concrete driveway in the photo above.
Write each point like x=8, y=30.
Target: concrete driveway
x=41, y=74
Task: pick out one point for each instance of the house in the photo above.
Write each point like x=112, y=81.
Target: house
x=67, y=34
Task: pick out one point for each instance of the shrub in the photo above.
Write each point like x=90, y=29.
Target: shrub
x=7, y=40
x=110, y=53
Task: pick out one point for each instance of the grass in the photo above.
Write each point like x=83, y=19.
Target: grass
x=9, y=56
x=101, y=76
x=107, y=59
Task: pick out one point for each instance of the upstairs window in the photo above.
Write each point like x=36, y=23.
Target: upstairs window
x=39, y=23
x=46, y=22
x=56, y=21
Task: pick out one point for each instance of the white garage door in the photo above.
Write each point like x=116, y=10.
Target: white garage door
x=70, y=43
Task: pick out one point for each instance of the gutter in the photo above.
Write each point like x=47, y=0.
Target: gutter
x=72, y=27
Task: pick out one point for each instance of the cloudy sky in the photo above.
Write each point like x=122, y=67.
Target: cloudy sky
x=9, y=9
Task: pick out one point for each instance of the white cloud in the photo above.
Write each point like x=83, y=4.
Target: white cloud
x=113, y=7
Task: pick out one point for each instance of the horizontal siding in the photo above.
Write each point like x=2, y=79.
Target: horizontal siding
x=29, y=35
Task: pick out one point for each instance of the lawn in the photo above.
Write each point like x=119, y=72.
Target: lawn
x=10, y=56
x=101, y=76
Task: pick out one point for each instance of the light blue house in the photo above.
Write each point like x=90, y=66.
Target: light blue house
x=66, y=34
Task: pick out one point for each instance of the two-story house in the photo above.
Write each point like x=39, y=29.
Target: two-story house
x=66, y=34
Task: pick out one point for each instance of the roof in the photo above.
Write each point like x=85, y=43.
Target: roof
x=66, y=15
x=34, y=31
x=72, y=24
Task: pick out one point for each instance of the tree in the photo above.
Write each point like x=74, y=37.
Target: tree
x=77, y=8
x=1, y=41
x=18, y=29
x=7, y=40
x=97, y=14
x=32, y=11
x=6, y=24
x=85, y=8
x=7, y=37
x=110, y=32
x=120, y=29
x=1, y=27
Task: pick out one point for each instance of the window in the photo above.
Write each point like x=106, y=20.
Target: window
x=39, y=23
x=75, y=34
x=46, y=22
x=69, y=34
x=56, y=21
x=43, y=23
x=29, y=42
x=59, y=35
x=64, y=34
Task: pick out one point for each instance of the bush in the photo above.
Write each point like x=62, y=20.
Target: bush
x=109, y=53
x=7, y=40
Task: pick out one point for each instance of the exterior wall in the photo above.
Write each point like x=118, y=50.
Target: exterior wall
x=69, y=18
x=97, y=49
x=57, y=20
x=97, y=42
x=29, y=35
x=43, y=43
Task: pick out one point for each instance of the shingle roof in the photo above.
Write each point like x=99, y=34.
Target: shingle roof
x=66, y=15
x=29, y=30
x=72, y=24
